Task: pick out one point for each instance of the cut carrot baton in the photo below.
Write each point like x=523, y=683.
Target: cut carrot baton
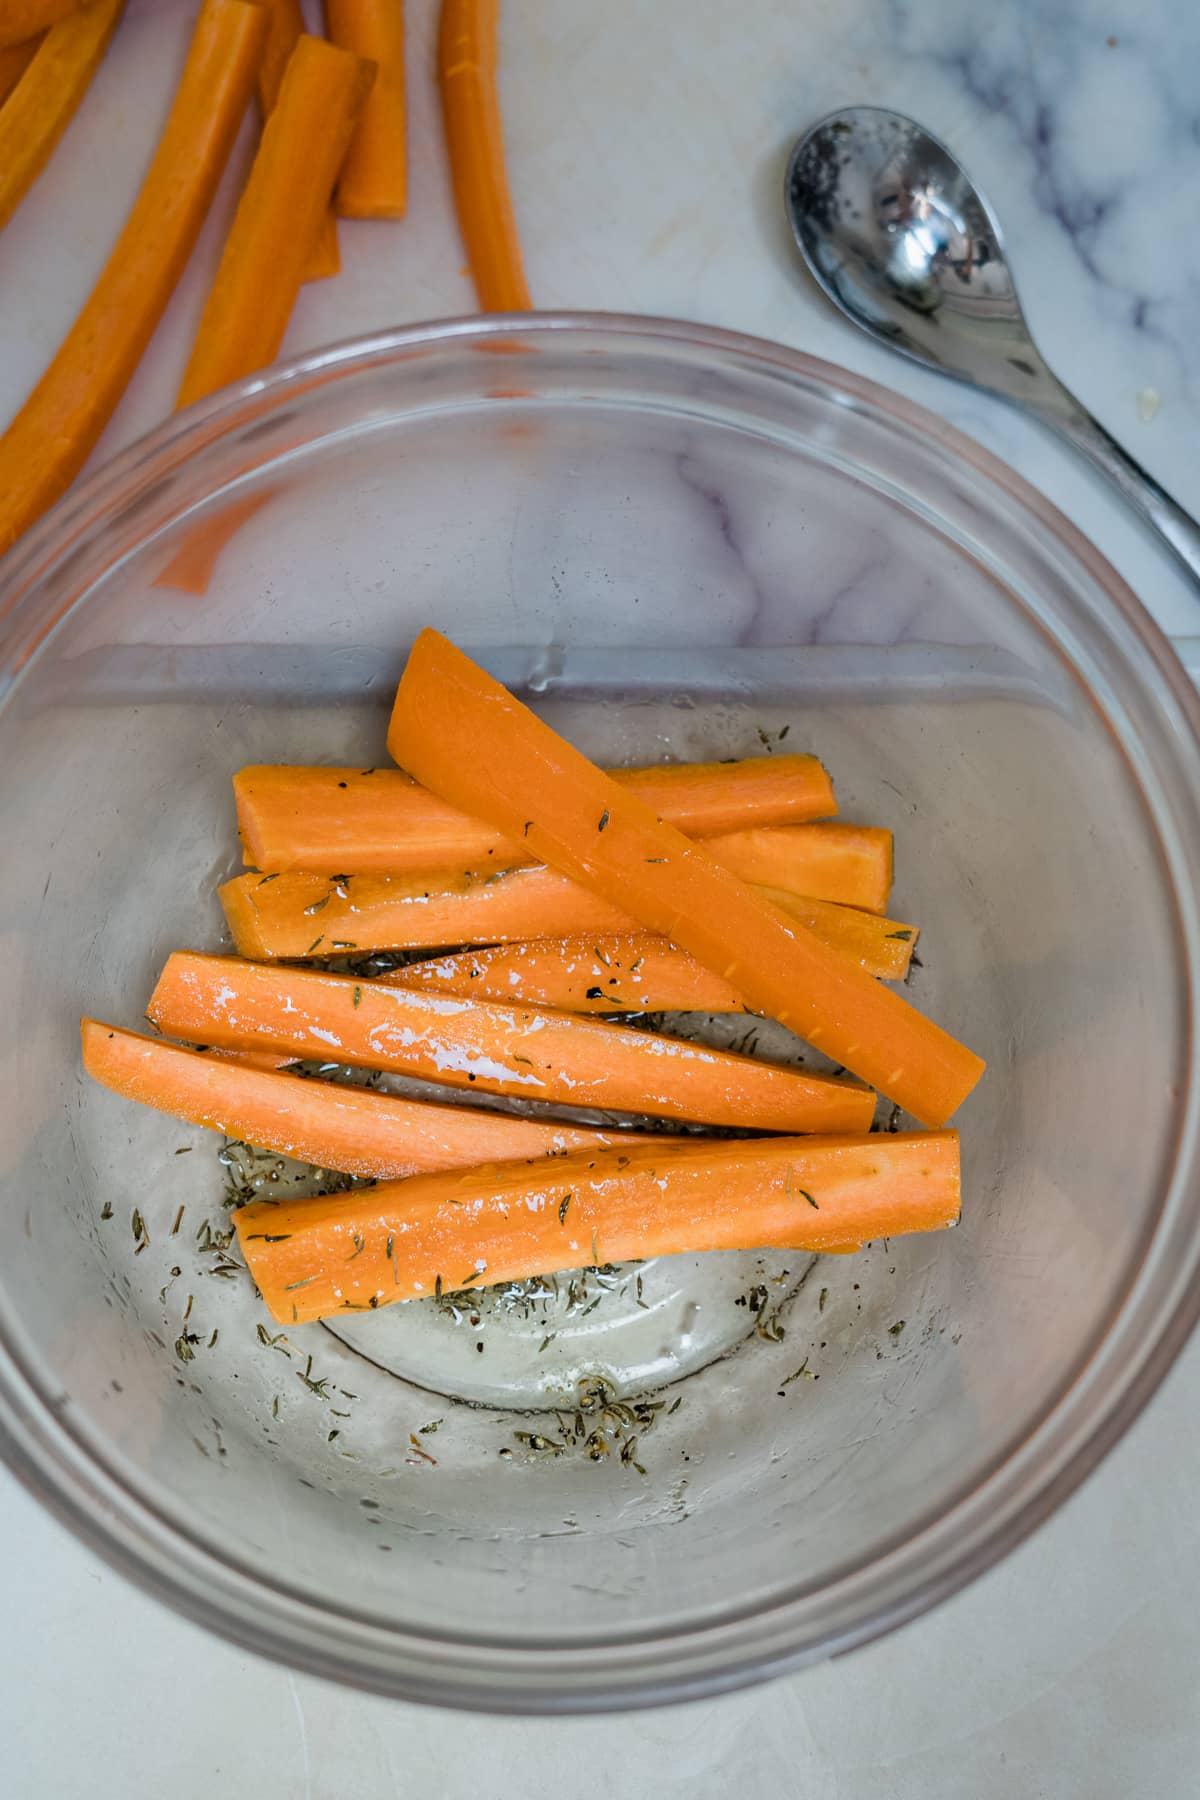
x=278, y=217
x=14, y=60
x=44, y=100
x=336, y=1127
x=851, y=864
x=329, y=915
x=505, y=1222
x=380, y=822
x=47, y=444
x=475, y=140
x=285, y=29
x=374, y=180
x=627, y=973
x=22, y=19
x=527, y=1051
x=464, y=736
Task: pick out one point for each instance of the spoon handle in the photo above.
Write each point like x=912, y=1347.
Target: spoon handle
x=1177, y=528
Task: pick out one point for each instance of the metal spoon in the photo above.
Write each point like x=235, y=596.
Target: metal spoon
x=897, y=236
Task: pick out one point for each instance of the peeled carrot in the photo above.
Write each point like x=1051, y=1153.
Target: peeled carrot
x=380, y=822
x=528, y=1051
x=465, y=737
x=278, y=217
x=505, y=1222
x=633, y=972
x=22, y=19
x=44, y=100
x=326, y=915
x=336, y=1127
x=374, y=180
x=14, y=60
x=47, y=444
x=851, y=864
x=475, y=140
x=619, y=973
x=285, y=28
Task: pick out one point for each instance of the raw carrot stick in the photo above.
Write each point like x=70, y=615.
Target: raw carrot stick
x=44, y=100
x=851, y=864
x=374, y=180
x=47, y=444
x=530, y=1051
x=465, y=737
x=336, y=1127
x=475, y=140
x=14, y=60
x=327, y=915
x=285, y=28
x=504, y=1222
x=620, y=973
x=380, y=822
x=278, y=217
x=22, y=19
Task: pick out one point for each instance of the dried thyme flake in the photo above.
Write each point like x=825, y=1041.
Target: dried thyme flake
x=797, y=1373
x=185, y=1149
x=106, y=1211
x=562, y=1208
x=770, y=1329
x=267, y=878
x=428, y=1430
x=299, y=1284
x=603, y=820
x=174, y=1232
x=675, y=1405
x=895, y=1330
x=360, y=1244
x=358, y=996
x=822, y=1297
x=314, y=944
x=318, y=904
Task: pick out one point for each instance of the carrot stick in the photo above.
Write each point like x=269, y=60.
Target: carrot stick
x=284, y=30
x=380, y=822
x=336, y=1127
x=504, y=1222
x=626, y=973
x=465, y=737
x=851, y=864
x=325, y=915
x=14, y=60
x=278, y=217
x=22, y=19
x=475, y=140
x=47, y=444
x=374, y=180
x=533, y=1052
x=44, y=100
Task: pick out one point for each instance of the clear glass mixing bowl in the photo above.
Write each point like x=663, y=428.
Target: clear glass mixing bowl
x=677, y=542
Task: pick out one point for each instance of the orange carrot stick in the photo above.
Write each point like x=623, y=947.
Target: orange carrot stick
x=43, y=102
x=380, y=822
x=615, y=973
x=278, y=217
x=14, y=60
x=336, y=1127
x=529, y=1051
x=620, y=973
x=329, y=915
x=22, y=19
x=374, y=180
x=851, y=864
x=285, y=29
x=475, y=140
x=465, y=737
x=504, y=1222
x=47, y=444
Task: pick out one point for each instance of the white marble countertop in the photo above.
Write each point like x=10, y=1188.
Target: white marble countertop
x=646, y=144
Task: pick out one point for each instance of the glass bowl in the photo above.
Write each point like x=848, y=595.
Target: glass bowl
x=678, y=543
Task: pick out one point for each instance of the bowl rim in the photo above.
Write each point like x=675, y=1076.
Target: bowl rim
x=54, y=1458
